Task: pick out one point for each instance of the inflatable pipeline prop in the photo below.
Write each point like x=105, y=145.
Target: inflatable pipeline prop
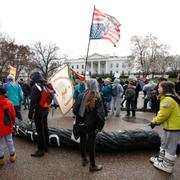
x=125, y=140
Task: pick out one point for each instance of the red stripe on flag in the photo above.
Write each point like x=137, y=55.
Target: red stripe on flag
x=110, y=23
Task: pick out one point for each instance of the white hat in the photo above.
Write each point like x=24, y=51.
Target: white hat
x=10, y=77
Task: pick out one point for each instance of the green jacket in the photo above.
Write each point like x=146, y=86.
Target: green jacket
x=169, y=114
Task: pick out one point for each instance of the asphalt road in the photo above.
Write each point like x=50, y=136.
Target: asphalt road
x=65, y=164
x=62, y=163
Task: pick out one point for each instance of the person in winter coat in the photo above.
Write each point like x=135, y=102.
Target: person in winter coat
x=90, y=115
x=106, y=92
x=130, y=96
x=39, y=114
x=7, y=120
x=148, y=89
x=14, y=94
x=78, y=89
x=169, y=117
x=116, y=97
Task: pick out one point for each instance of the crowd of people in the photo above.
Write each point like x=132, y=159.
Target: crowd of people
x=94, y=100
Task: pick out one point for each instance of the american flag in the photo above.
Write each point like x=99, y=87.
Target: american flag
x=105, y=26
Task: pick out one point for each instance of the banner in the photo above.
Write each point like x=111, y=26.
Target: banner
x=12, y=71
x=64, y=89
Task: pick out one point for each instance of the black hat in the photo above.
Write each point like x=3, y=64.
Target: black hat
x=2, y=91
x=37, y=77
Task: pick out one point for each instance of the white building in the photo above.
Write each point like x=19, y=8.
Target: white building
x=101, y=64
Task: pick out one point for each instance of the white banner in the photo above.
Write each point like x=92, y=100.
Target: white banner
x=64, y=89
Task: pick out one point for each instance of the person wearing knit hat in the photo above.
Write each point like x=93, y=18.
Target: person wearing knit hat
x=2, y=91
x=7, y=120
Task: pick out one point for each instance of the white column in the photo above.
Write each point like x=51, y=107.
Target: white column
x=99, y=67
x=91, y=67
x=106, y=67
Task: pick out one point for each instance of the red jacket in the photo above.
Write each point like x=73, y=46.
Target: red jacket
x=5, y=103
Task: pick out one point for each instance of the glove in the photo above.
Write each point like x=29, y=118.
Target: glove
x=152, y=125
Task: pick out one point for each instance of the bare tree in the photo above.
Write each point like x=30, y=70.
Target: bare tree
x=46, y=58
x=139, y=50
x=151, y=55
x=12, y=54
x=174, y=63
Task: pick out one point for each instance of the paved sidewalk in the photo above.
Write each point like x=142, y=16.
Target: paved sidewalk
x=64, y=163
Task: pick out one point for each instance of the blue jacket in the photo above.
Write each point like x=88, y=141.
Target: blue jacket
x=14, y=92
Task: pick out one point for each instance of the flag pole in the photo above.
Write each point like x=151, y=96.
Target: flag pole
x=88, y=43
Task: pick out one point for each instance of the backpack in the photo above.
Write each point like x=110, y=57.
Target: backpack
x=46, y=98
x=130, y=93
x=114, y=90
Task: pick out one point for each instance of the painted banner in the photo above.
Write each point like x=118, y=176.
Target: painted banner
x=63, y=87
x=12, y=71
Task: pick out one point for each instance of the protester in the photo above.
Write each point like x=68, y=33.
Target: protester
x=38, y=112
x=14, y=94
x=78, y=89
x=107, y=94
x=7, y=120
x=169, y=117
x=26, y=91
x=117, y=92
x=130, y=96
x=148, y=90
x=124, y=87
x=89, y=111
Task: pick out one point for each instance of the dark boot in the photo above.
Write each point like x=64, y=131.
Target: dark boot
x=95, y=168
x=38, y=153
x=85, y=161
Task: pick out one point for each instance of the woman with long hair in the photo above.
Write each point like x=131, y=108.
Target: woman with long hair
x=169, y=117
x=90, y=116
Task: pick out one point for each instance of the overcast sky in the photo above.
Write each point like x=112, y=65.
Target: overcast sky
x=67, y=23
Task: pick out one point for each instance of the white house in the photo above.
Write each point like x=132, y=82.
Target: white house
x=101, y=64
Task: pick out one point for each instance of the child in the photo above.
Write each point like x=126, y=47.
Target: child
x=6, y=126
x=169, y=117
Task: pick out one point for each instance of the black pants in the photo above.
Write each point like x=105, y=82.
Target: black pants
x=42, y=128
x=18, y=112
x=88, y=140
x=131, y=104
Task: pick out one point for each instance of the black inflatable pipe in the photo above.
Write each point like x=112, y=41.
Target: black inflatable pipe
x=125, y=140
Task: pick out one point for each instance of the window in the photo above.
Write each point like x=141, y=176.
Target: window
x=82, y=66
x=123, y=65
x=111, y=65
x=117, y=65
x=77, y=66
x=72, y=66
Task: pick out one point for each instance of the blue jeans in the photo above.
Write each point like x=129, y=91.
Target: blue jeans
x=9, y=142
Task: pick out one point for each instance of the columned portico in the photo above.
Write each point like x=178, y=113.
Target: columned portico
x=99, y=67
x=92, y=67
x=106, y=68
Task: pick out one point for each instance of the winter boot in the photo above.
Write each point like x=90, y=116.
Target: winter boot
x=85, y=161
x=2, y=161
x=95, y=168
x=12, y=157
x=167, y=164
x=159, y=157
